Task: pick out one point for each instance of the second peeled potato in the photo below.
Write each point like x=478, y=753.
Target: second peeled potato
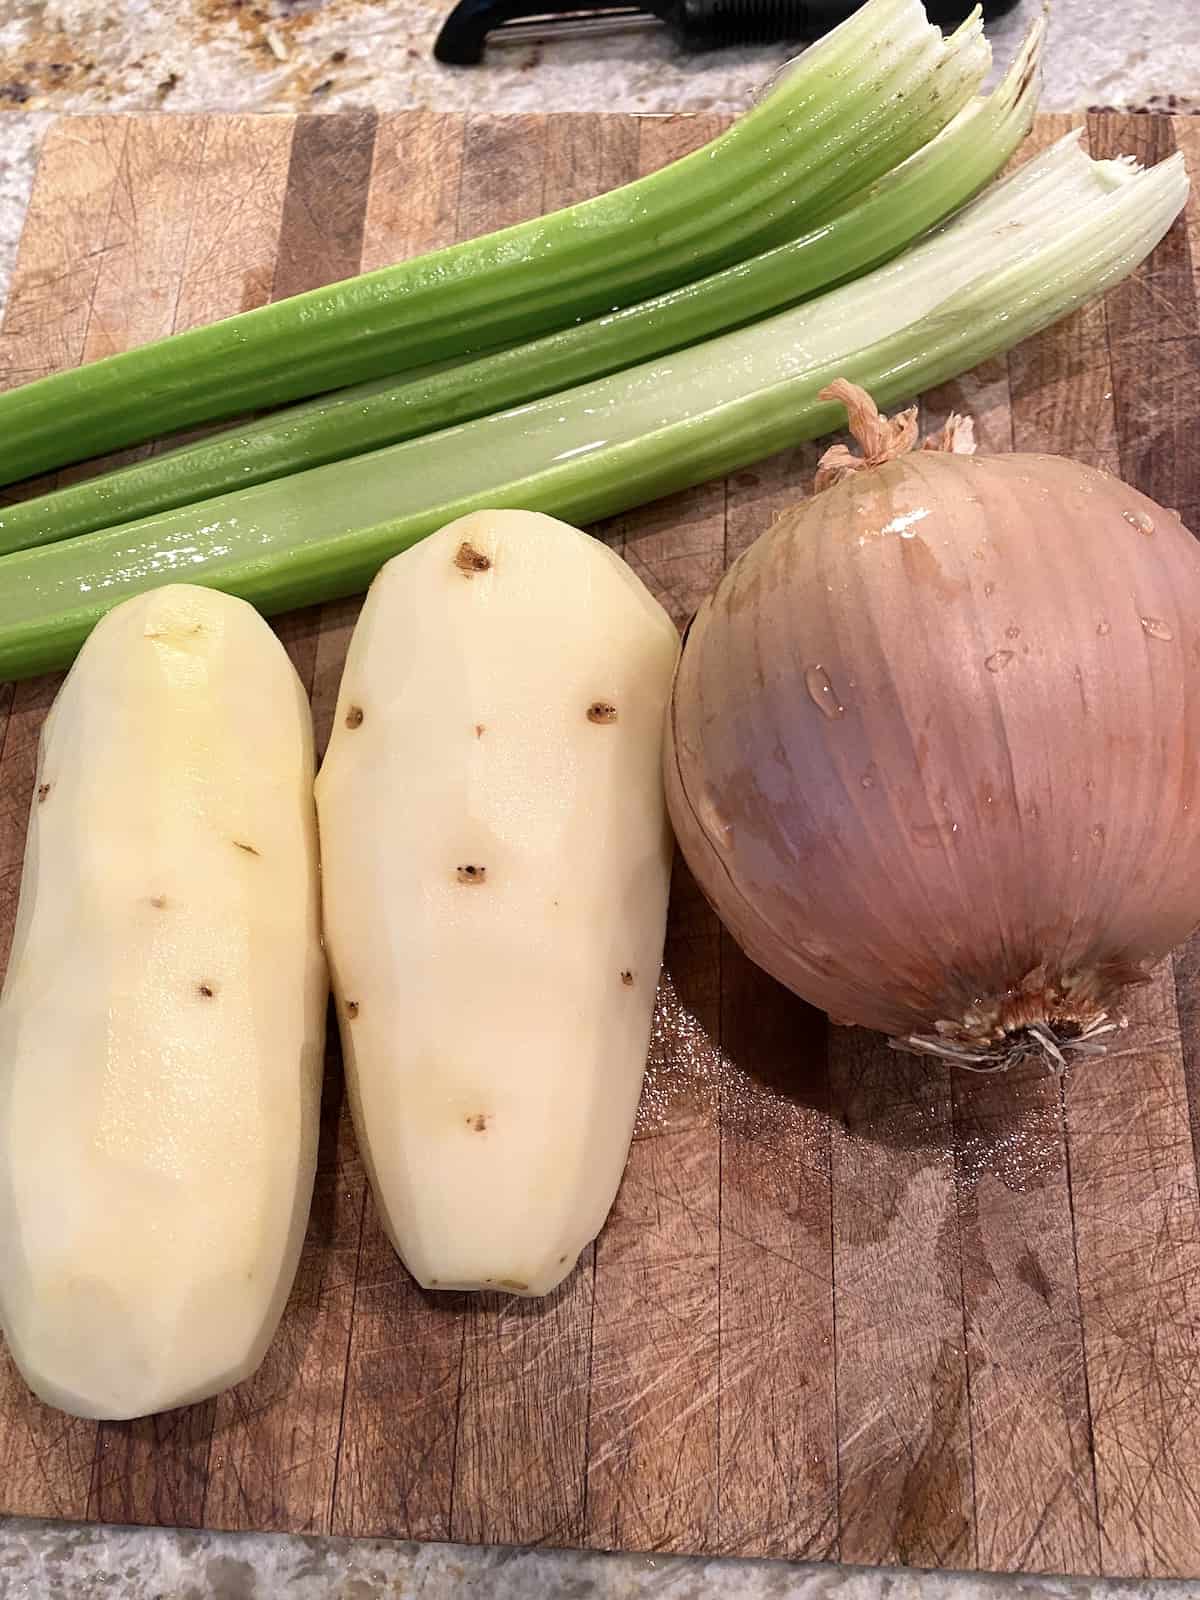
x=496, y=862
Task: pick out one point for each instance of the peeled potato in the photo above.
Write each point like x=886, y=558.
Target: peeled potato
x=161, y=1025
x=496, y=860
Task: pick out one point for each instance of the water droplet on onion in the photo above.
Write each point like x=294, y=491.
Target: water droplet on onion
x=1012, y=631
x=1140, y=521
x=1103, y=628
x=998, y=660
x=1157, y=629
x=719, y=828
x=820, y=692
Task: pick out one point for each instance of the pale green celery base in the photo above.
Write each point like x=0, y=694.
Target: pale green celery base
x=1057, y=233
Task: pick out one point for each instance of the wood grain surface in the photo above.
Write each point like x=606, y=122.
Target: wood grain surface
x=848, y=1304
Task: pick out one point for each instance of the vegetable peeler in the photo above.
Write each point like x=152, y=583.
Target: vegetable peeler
x=694, y=24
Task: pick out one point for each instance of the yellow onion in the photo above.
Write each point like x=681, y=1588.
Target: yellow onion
x=933, y=744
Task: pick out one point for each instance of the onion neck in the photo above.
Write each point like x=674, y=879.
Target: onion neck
x=883, y=439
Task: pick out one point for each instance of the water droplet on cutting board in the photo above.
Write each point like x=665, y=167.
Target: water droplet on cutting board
x=1157, y=629
x=998, y=660
x=691, y=1081
x=929, y=835
x=821, y=692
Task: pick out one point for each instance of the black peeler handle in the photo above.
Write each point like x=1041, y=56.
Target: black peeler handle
x=696, y=24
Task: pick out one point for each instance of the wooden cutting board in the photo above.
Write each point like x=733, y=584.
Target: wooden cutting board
x=848, y=1304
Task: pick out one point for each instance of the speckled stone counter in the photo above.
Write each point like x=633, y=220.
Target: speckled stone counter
x=40, y=1562
x=266, y=55
x=259, y=55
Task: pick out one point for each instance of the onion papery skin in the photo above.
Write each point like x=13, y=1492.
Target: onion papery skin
x=932, y=747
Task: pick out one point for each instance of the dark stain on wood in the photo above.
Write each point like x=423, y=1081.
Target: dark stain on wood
x=326, y=201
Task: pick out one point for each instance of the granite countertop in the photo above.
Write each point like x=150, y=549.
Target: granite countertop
x=37, y=1562
x=281, y=55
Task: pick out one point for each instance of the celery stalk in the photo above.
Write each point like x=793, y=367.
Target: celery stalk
x=898, y=208
x=1039, y=244
x=850, y=109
